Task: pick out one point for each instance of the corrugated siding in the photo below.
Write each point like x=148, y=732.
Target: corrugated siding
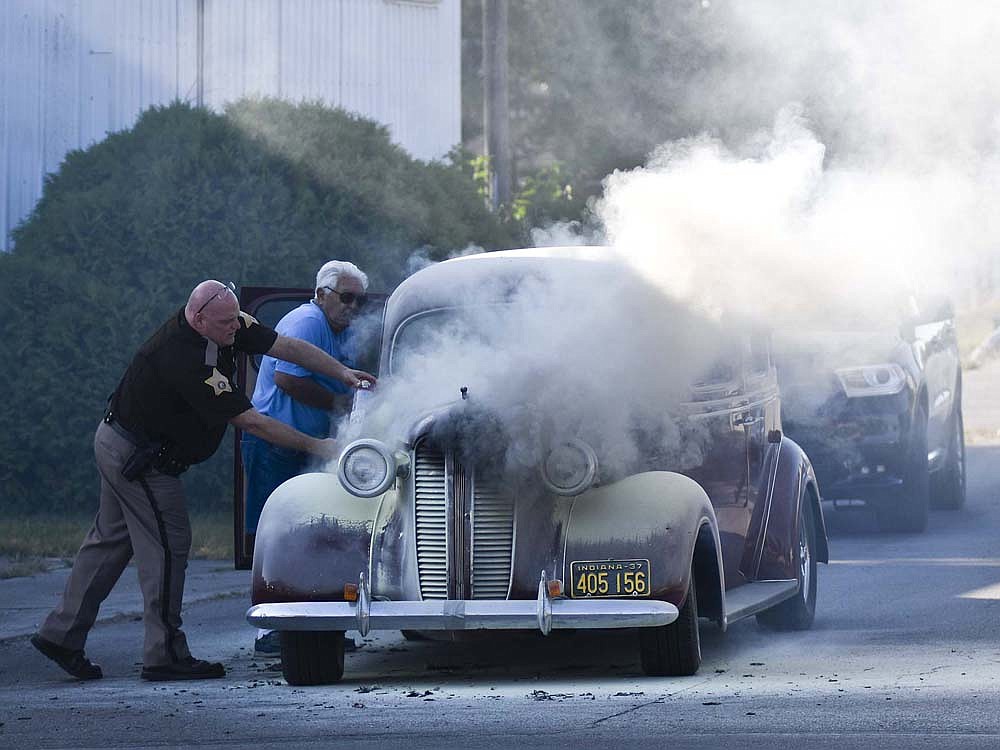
x=71, y=71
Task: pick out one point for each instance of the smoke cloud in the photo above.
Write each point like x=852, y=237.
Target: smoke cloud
x=873, y=187
x=853, y=150
x=578, y=348
x=845, y=156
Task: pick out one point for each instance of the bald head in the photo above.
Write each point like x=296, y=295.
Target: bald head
x=213, y=311
x=203, y=294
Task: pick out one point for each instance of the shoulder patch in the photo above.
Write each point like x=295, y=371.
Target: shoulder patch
x=218, y=382
x=248, y=320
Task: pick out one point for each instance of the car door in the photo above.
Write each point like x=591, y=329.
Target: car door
x=269, y=305
x=718, y=409
x=762, y=410
x=761, y=417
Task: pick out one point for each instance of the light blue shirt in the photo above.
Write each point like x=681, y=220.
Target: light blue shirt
x=305, y=322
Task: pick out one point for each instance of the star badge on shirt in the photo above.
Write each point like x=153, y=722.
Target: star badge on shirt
x=248, y=320
x=218, y=382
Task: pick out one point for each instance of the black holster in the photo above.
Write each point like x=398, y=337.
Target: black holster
x=142, y=458
x=146, y=454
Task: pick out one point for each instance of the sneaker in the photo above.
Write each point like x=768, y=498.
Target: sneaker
x=268, y=644
x=188, y=669
x=73, y=662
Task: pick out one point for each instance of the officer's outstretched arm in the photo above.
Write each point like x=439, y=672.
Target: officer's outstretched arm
x=279, y=433
x=315, y=359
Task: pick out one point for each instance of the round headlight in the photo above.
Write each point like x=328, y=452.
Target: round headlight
x=570, y=468
x=366, y=468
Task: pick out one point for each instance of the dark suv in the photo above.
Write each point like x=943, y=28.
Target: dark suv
x=878, y=408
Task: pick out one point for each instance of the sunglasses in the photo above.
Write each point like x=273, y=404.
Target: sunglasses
x=228, y=287
x=350, y=298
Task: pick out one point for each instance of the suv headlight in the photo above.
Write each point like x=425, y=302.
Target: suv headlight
x=368, y=468
x=570, y=468
x=872, y=380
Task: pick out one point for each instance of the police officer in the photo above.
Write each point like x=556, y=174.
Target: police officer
x=170, y=410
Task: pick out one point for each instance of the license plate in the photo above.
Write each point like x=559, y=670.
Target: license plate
x=608, y=578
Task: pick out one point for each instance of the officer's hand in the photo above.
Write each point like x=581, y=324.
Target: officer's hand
x=354, y=378
x=327, y=448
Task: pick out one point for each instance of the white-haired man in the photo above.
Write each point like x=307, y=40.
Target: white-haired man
x=299, y=397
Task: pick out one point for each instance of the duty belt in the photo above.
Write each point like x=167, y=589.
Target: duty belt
x=114, y=424
x=162, y=462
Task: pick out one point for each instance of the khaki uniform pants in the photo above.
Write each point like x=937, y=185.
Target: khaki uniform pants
x=148, y=518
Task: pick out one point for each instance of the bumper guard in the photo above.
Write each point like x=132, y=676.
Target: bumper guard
x=544, y=613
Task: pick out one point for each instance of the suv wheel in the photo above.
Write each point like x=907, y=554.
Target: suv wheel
x=906, y=509
x=949, y=483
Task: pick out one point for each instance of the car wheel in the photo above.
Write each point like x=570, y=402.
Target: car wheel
x=312, y=657
x=798, y=612
x=949, y=484
x=906, y=509
x=673, y=650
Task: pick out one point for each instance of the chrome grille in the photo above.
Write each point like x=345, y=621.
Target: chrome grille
x=492, y=540
x=431, y=508
x=486, y=560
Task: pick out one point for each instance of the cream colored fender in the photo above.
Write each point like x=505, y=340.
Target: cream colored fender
x=313, y=537
x=660, y=516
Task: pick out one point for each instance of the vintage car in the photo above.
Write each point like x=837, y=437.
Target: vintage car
x=552, y=444
x=878, y=407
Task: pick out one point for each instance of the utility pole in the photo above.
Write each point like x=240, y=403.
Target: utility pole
x=496, y=102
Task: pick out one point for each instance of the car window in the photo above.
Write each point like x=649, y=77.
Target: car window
x=366, y=329
x=758, y=355
x=720, y=372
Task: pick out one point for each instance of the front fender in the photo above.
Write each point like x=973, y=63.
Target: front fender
x=312, y=538
x=656, y=515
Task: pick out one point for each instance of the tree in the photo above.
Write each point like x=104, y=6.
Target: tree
x=262, y=194
x=595, y=85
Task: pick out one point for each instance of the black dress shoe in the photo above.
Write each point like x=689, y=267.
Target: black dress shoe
x=187, y=669
x=74, y=662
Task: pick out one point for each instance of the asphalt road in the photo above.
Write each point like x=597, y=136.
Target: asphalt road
x=904, y=654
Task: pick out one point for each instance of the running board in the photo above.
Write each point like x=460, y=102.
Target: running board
x=751, y=598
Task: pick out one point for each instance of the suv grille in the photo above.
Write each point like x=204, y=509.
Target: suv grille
x=464, y=527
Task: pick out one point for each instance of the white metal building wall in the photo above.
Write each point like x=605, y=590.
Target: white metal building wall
x=72, y=71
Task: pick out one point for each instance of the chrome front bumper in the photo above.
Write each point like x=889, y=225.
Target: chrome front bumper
x=544, y=613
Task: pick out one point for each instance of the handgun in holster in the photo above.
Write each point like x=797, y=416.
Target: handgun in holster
x=142, y=458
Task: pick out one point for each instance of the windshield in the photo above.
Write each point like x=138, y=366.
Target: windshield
x=425, y=334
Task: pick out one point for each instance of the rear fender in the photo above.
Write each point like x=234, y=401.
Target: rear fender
x=312, y=538
x=660, y=516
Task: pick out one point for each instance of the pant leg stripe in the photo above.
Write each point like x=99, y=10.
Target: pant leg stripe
x=165, y=583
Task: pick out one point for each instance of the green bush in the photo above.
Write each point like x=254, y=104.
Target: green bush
x=262, y=194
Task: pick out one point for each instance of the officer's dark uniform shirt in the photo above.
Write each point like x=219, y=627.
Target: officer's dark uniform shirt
x=179, y=387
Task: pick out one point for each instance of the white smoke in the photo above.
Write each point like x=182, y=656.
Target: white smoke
x=906, y=99
x=852, y=169
x=847, y=156
x=585, y=350
x=767, y=232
